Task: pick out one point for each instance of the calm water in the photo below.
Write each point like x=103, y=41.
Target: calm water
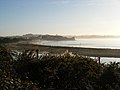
x=91, y=43
x=113, y=43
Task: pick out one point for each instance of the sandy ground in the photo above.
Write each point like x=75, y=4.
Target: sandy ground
x=95, y=52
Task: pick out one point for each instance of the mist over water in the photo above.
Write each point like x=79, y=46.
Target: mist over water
x=113, y=43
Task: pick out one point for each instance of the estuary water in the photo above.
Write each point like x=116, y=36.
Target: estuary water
x=113, y=43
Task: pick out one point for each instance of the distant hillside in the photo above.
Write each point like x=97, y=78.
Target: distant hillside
x=47, y=37
x=55, y=38
x=29, y=37
x=11, y=39
x=95, y=36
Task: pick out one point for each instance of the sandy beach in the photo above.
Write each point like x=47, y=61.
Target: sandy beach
x=95, y=52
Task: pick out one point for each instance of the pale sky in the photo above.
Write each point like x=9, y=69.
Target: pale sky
x=65, y=17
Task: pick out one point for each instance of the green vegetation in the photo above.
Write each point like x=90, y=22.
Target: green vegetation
x=55, y=38
x=29, y=37
x=47, y=37
x=10, y=40
x=33, y=72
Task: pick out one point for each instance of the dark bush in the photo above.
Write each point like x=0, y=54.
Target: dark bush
x=56, y=72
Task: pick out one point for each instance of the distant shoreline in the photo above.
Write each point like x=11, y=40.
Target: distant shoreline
x=96, y=36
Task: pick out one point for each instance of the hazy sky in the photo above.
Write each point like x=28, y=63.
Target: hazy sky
x=101, y=17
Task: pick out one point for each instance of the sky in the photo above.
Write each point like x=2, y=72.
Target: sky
x=63, y=17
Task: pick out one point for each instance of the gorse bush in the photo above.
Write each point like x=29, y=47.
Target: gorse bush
x=58, y=73
x=9, y=79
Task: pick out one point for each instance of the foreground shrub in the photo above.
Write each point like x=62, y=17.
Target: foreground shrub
x=31, y=72
x=9, y=79
x=66, y=72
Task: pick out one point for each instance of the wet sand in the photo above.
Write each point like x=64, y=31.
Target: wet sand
x=95, y=52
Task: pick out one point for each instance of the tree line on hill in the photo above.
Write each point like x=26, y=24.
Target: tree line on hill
x=34, y=37
x=10, y=40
